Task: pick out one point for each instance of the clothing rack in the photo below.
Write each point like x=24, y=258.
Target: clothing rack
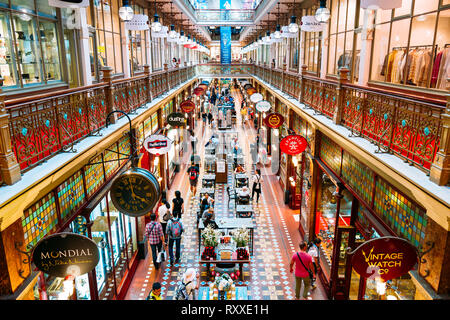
x=424, y=46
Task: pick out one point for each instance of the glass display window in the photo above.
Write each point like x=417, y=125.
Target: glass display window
x=156, y=54
x=294, y=54
x=412, y=48
x=50, y=50
x=311, y=46
x=137, y=45
x=8, y=68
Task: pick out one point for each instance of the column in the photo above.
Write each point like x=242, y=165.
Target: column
x=85, y=60
x=324, y=53
x=124, y=40
x=148, y=48
x=366, y=47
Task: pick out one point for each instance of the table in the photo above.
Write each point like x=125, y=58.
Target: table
x=210, y=163
x=210, y=150
x=237, y=190
x=210, y=191
x=240, y=262
x=241, y=293
x=208, y=179
x=244, y=209
x=241, y=177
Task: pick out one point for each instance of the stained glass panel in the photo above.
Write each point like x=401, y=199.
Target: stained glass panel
x=94, y=175
x=358, y=176
x=110, y=165
x=40, y=219
x=70, y=194
x=124, y=148
x=330, y=153
x=154, y=122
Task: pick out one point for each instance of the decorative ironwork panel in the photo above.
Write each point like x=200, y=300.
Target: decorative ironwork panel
x=404, y=217
x=358, y=176
x=330, y=153
x=330, y=100
x=70, y=195
x=72, y=117
x=353, y=109
x=377, y=122
x=40, y=219
x=96, y=109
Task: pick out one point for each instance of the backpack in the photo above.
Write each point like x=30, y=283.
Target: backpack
x=181, y=292
x=193, y=173
x=166, y=216
x=175, y=229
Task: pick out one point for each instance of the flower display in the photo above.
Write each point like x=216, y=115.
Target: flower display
x=211, y=236
x=223, y=282
x=241, y=236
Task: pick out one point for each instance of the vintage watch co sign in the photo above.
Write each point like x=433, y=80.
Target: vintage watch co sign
x=135, y=192
x=176, y=119
x=187, y=106
x=385, y=257
x=65, y=254
x=274, y=120
x=293, y=144
x=263, y=106
x=157, y=144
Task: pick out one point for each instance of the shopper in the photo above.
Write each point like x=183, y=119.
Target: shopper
x=204, y=117
x=193, y=172
x=189, y=283
x=210, y=117
x=164, y=215
x=257, y=179
x=174, y=231
x=155, y=294
x=314, y=252
x=303, y=271
x=207, y=201
x=178, y=204
x=193, y=141
x=155, y=237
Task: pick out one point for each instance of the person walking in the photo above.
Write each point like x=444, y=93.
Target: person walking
x=193, y=141
x=257, y=179
x=155, y=237
x=178, y=204
x=204, y=117
x=174, y=231
x=193, y=172
x=210, y=117
x=303, y=271
x=314, y=252
x=164, y=215
x=155, y=294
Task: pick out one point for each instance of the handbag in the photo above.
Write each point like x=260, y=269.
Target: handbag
x=161, y=256
x=311, y=275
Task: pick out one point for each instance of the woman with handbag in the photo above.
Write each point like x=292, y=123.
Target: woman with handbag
x=303, y=271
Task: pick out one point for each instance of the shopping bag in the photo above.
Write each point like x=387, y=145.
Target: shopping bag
x=161, y=257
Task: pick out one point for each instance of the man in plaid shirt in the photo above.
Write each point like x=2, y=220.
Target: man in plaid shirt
x=155, y=237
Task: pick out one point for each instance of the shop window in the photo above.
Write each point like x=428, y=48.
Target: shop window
x=402, y=288
x=410, y=50
x=8, y=68
x=156, y=54
x=50, y=50
x=293, y=59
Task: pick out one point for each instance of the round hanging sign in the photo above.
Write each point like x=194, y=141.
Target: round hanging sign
x=65, y=254
x=274, y=120
x=256, y=97
x=386, y=257
x=199, y=91
x=176, y=119
x=263, y=106
x=135, y=192
x=187, y=106
x=293, y=144
x=157, y=144
x=251, y=91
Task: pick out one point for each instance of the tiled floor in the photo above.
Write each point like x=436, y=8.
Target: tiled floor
x=276, y=235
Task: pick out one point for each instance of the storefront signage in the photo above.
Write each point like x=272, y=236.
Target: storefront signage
x=135, y=192
x=157, y=144
x=256, y=97
x=310, y=24
x=176, y=119
x=381, y=4
x=68, y=3
x=263, y=106
x=138, y=22
x=293, y=144
x=199, y=91
x=65, y=254
x=274, y=120
x=385, y=257
x=187, y=106
x=251, y=91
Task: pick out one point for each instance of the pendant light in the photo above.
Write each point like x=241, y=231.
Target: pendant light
x=277, y=33
x=172, y=32
x=156, y=25
x=322, y=14
x=293, y=26
x=125, y=11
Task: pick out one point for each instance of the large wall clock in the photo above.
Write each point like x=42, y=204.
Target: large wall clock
x=135, y=192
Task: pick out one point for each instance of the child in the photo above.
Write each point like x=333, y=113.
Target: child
x=155, y=294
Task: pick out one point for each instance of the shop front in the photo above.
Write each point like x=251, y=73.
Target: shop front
x=353, y=205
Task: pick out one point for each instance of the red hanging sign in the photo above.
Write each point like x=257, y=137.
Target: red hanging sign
x=251, y=91
x=293, y=144
x=385, y=257
x=203, y=86
x=187, y=106
x=199, y=91
x=274, y=120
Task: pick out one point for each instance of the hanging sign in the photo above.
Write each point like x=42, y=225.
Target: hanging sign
x=199, y=91
x=176, y=119
x=187, y=106
x=68, y=3
x=251, y=91
x=157, y=144
x=138, y=22
x=293, y=144
x=385, y=257
x=274, y=120
x=263, y=106
x=256, y=97
x=310, y=24
x=381, y=4
x=65, y=254
x=135, y=192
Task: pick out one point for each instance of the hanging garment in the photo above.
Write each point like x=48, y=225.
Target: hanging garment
x=424, y=68
x=389, y=65
x=444, y=70
x=415, y=55
x=395, y=73
x=384, y=67
x=402, y=70
x=435, y=71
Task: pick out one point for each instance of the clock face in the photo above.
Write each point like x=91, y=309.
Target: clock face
x=135, y=192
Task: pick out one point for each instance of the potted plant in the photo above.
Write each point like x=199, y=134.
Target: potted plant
x=241, y=236
x=210, y=237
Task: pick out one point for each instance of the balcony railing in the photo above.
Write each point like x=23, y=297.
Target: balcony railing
x=410, y=127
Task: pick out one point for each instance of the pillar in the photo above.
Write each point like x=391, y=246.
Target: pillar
x=366, y=47
x=85, y=59
x=109, y=96
x=310, y=232
x=125, y=52
x=340, y=94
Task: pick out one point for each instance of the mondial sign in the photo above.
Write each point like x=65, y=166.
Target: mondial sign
x=385, y=257
x=64, y=254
